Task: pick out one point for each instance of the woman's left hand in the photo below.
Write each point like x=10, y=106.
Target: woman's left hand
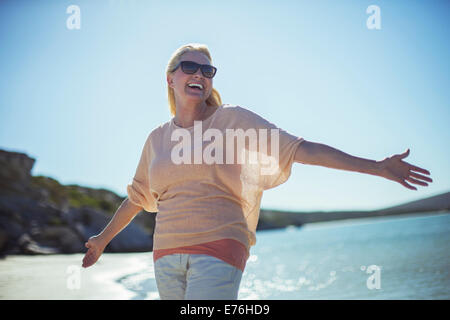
x=395, y=169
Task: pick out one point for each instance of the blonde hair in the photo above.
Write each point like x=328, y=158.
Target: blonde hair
x=214, y=99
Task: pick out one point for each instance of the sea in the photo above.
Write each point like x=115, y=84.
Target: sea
x=400, y=257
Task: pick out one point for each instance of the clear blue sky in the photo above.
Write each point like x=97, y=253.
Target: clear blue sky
x=82, y=102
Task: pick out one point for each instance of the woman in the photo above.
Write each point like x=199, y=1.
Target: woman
x=207, y=192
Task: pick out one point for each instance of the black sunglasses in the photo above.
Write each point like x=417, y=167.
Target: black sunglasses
x=191, y=67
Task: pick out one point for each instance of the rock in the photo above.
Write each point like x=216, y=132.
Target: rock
x=61, y=237
x=15, y=166
x=33, y=227
x=29, y=246
x=104, y=199
x=15, y=172
x=89, y=222
x=38, y=215
x=3, y=240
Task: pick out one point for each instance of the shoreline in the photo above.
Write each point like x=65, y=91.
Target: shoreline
x=116, y=276
x=61, y=277
x=353, y=221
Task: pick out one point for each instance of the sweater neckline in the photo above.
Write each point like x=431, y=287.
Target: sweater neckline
x=203, y=121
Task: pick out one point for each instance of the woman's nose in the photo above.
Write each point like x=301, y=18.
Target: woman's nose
x=198, y=73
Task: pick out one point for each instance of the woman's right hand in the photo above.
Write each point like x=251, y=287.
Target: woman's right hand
x=95, y=249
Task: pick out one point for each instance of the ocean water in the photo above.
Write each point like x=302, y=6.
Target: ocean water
x=404, y=257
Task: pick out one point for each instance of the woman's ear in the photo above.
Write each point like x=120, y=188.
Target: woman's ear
x=170, y=81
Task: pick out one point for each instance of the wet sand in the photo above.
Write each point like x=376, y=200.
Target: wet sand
x=61, y=277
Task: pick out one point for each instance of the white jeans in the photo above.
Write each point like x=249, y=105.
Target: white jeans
x=196, y=277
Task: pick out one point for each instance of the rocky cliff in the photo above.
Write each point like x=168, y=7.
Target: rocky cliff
x=38, y=215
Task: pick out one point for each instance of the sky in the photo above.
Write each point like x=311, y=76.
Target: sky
x=83, y=101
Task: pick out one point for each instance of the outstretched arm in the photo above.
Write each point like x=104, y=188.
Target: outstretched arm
x=392, y=168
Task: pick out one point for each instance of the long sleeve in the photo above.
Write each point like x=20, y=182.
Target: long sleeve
x=139, y=191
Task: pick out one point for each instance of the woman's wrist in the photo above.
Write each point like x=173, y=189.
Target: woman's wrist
x=102, y=240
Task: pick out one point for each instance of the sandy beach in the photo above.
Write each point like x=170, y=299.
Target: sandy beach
x=61, y=277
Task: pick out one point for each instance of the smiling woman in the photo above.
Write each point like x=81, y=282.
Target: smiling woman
x=200, y=55
x=207, y=211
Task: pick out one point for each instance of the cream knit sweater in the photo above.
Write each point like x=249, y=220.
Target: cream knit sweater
x=198, y=201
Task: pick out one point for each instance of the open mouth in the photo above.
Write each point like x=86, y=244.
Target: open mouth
x=195, y=86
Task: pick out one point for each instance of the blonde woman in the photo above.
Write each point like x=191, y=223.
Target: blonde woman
x=206, y=190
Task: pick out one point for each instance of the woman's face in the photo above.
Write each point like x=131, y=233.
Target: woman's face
x=179, y=80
